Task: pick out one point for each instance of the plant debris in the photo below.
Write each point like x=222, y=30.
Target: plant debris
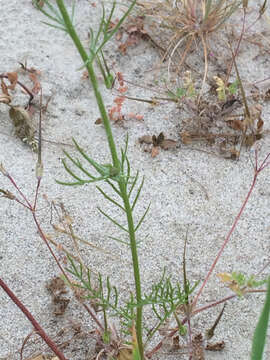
x=57, y=289
x=157, y=142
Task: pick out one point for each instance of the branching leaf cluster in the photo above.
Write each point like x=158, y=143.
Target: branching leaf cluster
x=239, y=283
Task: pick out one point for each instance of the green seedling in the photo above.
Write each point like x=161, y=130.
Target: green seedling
x=224, y=90
x=239, y=283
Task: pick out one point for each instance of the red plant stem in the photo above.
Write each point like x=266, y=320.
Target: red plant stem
x=50, y=249
x=227, y=238
x=19, y=191
x=93, y=316
x=30, y=317
x=205, y=307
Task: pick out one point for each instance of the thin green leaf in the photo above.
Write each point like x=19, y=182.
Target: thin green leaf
x=97, y=166
x=124, y=152
x=112, y=220
x=142, y=218
x=133, y=184
x=71, y=172
x=110, y=199
x=114, y=187
x=259, y=337
x=118, y=240
x=107, y=23
x=54, y=26
x=137, y=195
x=108, y=36
x=80, y=182
x=78, y=164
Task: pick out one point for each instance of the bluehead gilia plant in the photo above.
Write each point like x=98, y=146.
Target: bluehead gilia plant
x=164, y=297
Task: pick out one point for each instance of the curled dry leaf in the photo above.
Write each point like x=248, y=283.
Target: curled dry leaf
x=13, y=78
x=36, y=88
x=5, y=99
x=158, y=140
x=4, y=87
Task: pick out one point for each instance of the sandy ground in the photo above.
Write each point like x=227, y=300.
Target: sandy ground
x=187, y=188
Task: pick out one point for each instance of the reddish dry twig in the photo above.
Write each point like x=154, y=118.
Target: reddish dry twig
x=257, y=170
x=30, y=317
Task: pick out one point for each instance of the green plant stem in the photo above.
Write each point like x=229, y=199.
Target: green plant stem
x=135, y=263
x=106, y=122
x=116, y=163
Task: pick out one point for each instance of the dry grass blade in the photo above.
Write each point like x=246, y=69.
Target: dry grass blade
x=187, y=21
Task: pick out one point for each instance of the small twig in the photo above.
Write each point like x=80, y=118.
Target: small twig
x=257, y=170
x=30, y=317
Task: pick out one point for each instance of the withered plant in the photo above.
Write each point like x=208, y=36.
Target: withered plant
x=186, y=23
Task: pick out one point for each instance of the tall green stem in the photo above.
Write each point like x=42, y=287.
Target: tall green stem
x=116, y=163
x=135, y=263
x=93, y=79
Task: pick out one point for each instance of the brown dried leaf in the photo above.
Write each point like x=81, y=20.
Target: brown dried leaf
x=176, y=343
x=168, y=144
x=267, y=95
x=236, y=124
x=218, y=346
x=13, y=78
x=260, y=125
x=197, y=347
x=186, y=137
x=5, y=99
x=22, y=122
x=57, y=288
x=255, y=112
x=154, y=151
x=146, y=139
x=36, y=88
x=85, y=75
x=4, y=87
x=125, y=354
x=234, y=154
x=250, y=140
x=39, y=357
x=98, y=121
x=158, y=140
